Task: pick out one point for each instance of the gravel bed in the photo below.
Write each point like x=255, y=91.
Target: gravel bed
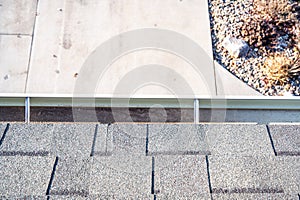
x=227, y=19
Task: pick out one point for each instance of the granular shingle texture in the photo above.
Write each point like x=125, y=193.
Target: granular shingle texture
x=238, y=139
x=121, y=175
x=71, y=177
x=102, y=142
x=129, y=161
x=24, y=175
x=286, y=139
x=176, y=139
x=130, y=138
x=259, y=174
x=180, y=175
x=259, y=196
x=28, y=139
x=73, y=139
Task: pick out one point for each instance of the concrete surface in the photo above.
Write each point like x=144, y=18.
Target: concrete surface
x=75, y=34
x=14, y=51
x=17, y=17
x=229, y=85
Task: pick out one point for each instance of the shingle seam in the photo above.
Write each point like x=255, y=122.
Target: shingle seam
x=180, y=153
x=208, y=175
x=52, y=176
x=107, y=135
x=288, y=153
x=66, y=192
x=23, y=153
x=147, y=140
x=247, y=190
x=152, y=176
x=94, y=141
x=99, y=153
x=4, y=133
x=271, y=140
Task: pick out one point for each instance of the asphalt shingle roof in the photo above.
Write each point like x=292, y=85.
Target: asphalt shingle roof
x=149, y=161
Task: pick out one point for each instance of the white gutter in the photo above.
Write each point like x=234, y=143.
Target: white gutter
x=228, y=103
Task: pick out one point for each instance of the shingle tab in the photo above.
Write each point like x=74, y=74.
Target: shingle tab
x=2, y=129
x=104, y=197
x=289, y=167
x=261, y=196
x=125, y=138
x=286, y=139
x=73, y=139
x=22, y=176
x=184, y=196
x=180, y=175
x=71, y=177
x=102, y=143
x=121, y=175
x=176, y=139
x=238, y=139
x=22, y=197
x=28, y=139
x=237, y=174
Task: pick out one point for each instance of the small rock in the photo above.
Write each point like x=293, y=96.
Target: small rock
x=236, y=47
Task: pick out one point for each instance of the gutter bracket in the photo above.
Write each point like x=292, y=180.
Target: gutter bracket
x=27, y=110
x=196, y=111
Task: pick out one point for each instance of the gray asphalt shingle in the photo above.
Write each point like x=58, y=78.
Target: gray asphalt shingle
x=127, y=138
x=103, y=143
x=2, y=128
x=184, y=197
x=103, y=197
x=289, y=167
x=28, y=139
x=238, y=139
x=121, y=175
x=262, y=196
x=242, y=164
x=260, y=174
x=31, y=197
x=176, y=139
x=71, y=177
x=73, y=139
x=286, y=139
x=23, y=175
x=180, y=175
